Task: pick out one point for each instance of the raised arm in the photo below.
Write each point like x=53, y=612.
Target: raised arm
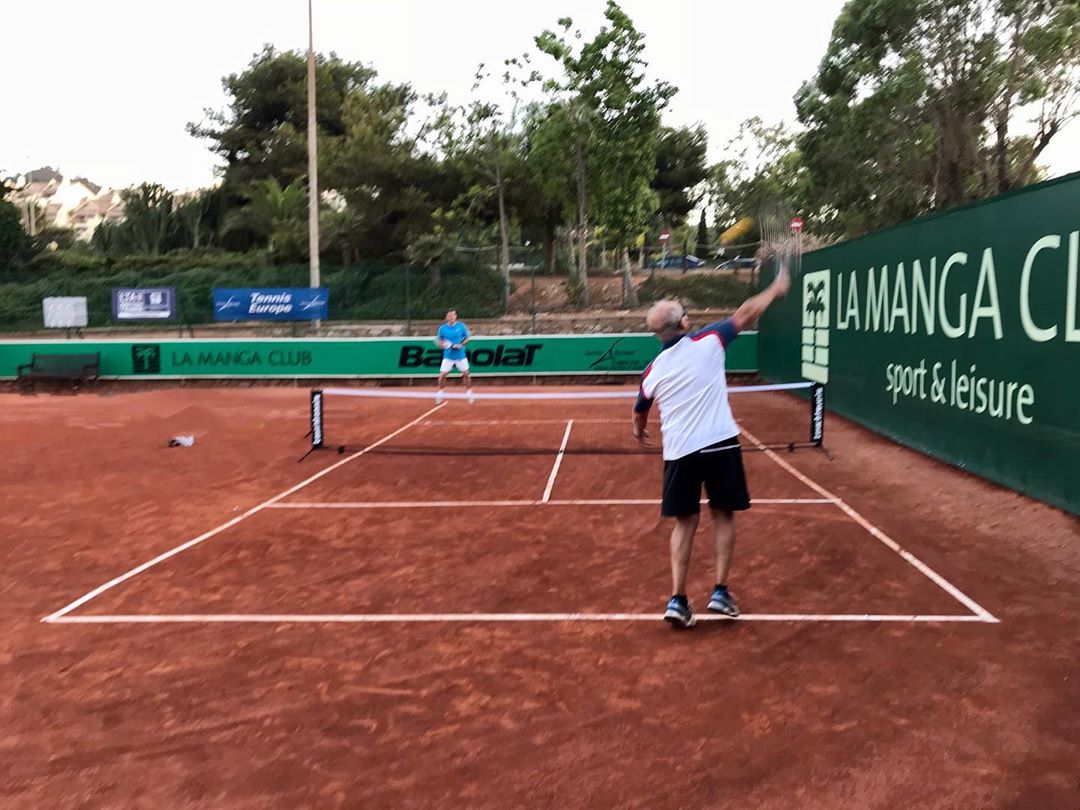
x=753, y=308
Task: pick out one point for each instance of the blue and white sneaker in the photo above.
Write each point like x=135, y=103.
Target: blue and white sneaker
x=679, y=614
x=722, y=601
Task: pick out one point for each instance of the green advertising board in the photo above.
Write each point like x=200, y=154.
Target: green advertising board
x=319, y=358
x=957, y=334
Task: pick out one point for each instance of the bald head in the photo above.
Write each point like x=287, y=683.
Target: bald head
x=667, y=319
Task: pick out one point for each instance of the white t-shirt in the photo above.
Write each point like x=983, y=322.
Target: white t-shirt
x=688, y=381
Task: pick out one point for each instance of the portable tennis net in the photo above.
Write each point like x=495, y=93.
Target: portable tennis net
x=783, y=416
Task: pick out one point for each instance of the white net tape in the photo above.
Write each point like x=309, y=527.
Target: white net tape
x=397, y=393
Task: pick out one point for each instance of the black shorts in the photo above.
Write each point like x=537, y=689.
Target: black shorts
x=719, y=467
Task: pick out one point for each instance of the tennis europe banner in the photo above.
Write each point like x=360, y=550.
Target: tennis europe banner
x=957, y=334
x=272, y=304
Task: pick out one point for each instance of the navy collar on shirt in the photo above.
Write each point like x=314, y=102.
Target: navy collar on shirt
x=669, y=343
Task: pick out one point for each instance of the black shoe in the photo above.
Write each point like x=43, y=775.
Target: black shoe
x=679, y=614
x=722, y=601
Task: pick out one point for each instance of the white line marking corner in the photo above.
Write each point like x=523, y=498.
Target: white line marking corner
x=112, y=583
x=961, y=597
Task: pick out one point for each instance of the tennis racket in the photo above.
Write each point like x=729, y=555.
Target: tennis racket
x=781, y=239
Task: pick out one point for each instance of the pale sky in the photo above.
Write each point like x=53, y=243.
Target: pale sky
x=104, y=89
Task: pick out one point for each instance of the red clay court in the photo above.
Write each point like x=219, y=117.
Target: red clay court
x=463, y=610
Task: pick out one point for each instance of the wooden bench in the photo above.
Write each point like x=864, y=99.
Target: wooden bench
x=73, y=368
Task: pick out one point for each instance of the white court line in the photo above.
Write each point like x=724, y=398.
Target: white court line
x=112, y=583
x=980, y=612
x=656, y=501
x=489, y=422
x=558, y=462
x=397, y=504
x=416, y=618
x=465, y=504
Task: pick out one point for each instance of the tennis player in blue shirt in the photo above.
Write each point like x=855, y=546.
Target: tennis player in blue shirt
x=452, y=337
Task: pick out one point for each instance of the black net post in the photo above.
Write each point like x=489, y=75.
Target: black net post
x=316, y=419
x=817, y=414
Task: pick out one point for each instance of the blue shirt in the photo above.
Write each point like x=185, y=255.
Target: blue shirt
x=453, y=334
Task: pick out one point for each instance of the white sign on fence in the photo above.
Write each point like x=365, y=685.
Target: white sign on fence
x=64, y=313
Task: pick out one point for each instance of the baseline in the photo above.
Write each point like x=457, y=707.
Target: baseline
x=464, y=504
x=391, y=618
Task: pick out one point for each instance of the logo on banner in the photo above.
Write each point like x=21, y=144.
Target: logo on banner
x=146, y=358
x=815, y=326
x=271, y=304
x=501, y=356
x=144, y=303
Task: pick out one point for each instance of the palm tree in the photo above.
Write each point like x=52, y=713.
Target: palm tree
x=191, y=215
x=148, y=212
x=275, y=214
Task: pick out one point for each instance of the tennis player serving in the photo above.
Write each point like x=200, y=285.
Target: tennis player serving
x=700, y=438
x=452, y=337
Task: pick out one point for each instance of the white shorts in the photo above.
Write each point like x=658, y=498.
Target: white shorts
x=461, y=365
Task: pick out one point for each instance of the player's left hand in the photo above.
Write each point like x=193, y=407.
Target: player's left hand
x=642, y=437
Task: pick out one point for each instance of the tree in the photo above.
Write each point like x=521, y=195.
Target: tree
x=12, y=236
x=574, y=109
x=391, y=185
x=917, y=103
x=551, y=172
x=436, y=247
x=555, y=163
x=491, y=145
x=702, y=248
x=192, y=215
x=276, y=214
x=263, y=131
x=681, y=170
x=762, y=166
x=612, y=116
x=148, y=217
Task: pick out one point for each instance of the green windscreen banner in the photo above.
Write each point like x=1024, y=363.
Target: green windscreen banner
x=957, y=334
x=363, y=357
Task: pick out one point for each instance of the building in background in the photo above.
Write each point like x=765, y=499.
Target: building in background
x=46, y=198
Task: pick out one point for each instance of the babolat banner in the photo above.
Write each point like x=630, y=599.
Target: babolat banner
x=957, y=334
x=272, y=304
x=325, y=358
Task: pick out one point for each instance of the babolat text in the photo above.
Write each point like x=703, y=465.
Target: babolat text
x=500, y=356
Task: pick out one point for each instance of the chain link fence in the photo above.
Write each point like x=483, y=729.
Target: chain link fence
x=538, y=288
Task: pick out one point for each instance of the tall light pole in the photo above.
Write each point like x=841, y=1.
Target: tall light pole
x=313, y=163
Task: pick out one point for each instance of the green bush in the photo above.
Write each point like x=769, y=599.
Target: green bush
x=712, y=291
